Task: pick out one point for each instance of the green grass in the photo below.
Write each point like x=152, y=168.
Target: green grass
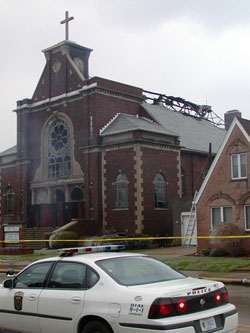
x=207, y=264
x=186, y=263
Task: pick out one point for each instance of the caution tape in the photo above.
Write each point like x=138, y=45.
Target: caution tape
x=123, y=239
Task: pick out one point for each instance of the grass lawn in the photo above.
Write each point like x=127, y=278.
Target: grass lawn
x=208, y=264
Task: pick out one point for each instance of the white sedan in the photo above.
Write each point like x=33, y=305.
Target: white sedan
x=112, y=292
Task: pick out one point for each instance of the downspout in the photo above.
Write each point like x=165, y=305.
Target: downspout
x=192, y=173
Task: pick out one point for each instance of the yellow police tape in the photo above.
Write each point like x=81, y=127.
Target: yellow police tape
x=122, y=239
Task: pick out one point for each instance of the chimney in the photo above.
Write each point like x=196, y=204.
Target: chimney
x=229, y=117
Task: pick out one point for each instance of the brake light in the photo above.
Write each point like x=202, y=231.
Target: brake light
x=182, y=306
x=218, y=298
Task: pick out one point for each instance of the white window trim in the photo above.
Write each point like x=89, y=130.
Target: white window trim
x=238, y=165
x=245, y=217
x=221, y=214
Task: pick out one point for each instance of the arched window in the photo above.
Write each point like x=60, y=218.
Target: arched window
x=10, y=200
x=77, y=194
x=183, y=183
x=42, y=197
x=58, y=196
x=160, y=191
x=59, y=158
x=121, y=191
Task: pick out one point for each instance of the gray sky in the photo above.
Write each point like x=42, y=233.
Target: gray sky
x=196, y=49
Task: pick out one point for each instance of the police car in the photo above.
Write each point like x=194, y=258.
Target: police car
x=112, y=292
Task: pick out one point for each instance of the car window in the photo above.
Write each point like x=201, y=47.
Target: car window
x=138, y=270
x=68, y=275
x=33, y=277
x=92, y=278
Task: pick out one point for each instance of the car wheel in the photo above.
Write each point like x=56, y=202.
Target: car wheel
x=96, y=327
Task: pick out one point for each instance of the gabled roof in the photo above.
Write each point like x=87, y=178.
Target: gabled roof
x=244, y=126
x=195, y=134
x=125, y=123
x=9, y=151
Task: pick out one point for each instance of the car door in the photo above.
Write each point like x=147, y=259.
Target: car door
x=65, y=292
x=18, y=303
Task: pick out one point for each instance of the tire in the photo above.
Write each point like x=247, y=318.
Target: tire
x=96, y=327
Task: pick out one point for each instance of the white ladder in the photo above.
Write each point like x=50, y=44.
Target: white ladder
x=189, y=232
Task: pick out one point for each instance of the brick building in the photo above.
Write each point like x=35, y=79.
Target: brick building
x=224, y=196
x=96, y=152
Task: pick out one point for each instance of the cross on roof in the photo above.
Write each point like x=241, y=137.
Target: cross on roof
x=66, y=22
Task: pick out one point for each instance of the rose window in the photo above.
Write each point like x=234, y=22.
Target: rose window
x=59, y=137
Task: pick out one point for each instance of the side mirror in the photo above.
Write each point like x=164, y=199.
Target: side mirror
x=8, y=283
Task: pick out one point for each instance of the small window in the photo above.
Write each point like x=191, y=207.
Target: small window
x=238, y=166
x=68, y=275
x=160, y=191
x=221, y=214
x=121, y=191
x=247, y=217
x=10, y=200
x=33, y=277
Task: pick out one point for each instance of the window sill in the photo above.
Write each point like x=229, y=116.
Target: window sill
x=118, y=209
x=161, y=208
x=238, y=179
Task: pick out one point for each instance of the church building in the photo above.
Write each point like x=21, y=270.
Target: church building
x=111, y=157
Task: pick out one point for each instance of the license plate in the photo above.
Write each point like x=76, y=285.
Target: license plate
x=207, y=324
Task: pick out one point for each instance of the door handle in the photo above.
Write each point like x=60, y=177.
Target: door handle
x=75, y=299
x=32, y=297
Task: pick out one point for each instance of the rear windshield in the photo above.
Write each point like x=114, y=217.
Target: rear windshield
x=131, y=271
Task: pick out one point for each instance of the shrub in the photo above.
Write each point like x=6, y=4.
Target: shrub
x=175, y=242
x=238, y=252
x=63, y=235
x=205, y=252
x=227, y=229
x=218, y=252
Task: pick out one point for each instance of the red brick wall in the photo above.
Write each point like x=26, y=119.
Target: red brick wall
x=195, y=167
x=159, y=221
x=120, y=160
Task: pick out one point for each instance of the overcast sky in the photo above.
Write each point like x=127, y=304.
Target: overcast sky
x=196, y=49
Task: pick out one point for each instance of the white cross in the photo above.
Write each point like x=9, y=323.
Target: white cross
x=66, y=22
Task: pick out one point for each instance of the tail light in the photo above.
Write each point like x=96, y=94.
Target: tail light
x=176, y=306
x=166, y=307
x=182, y=306
x=218, y=298
x=225, y=296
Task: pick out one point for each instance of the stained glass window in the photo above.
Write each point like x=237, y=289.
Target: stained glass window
x=160, y=191
x=59, y=160
x=121, y=191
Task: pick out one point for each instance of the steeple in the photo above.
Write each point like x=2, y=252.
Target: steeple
x=66, y=68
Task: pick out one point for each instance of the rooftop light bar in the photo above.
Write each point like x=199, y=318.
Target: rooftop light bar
x=101, y=248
